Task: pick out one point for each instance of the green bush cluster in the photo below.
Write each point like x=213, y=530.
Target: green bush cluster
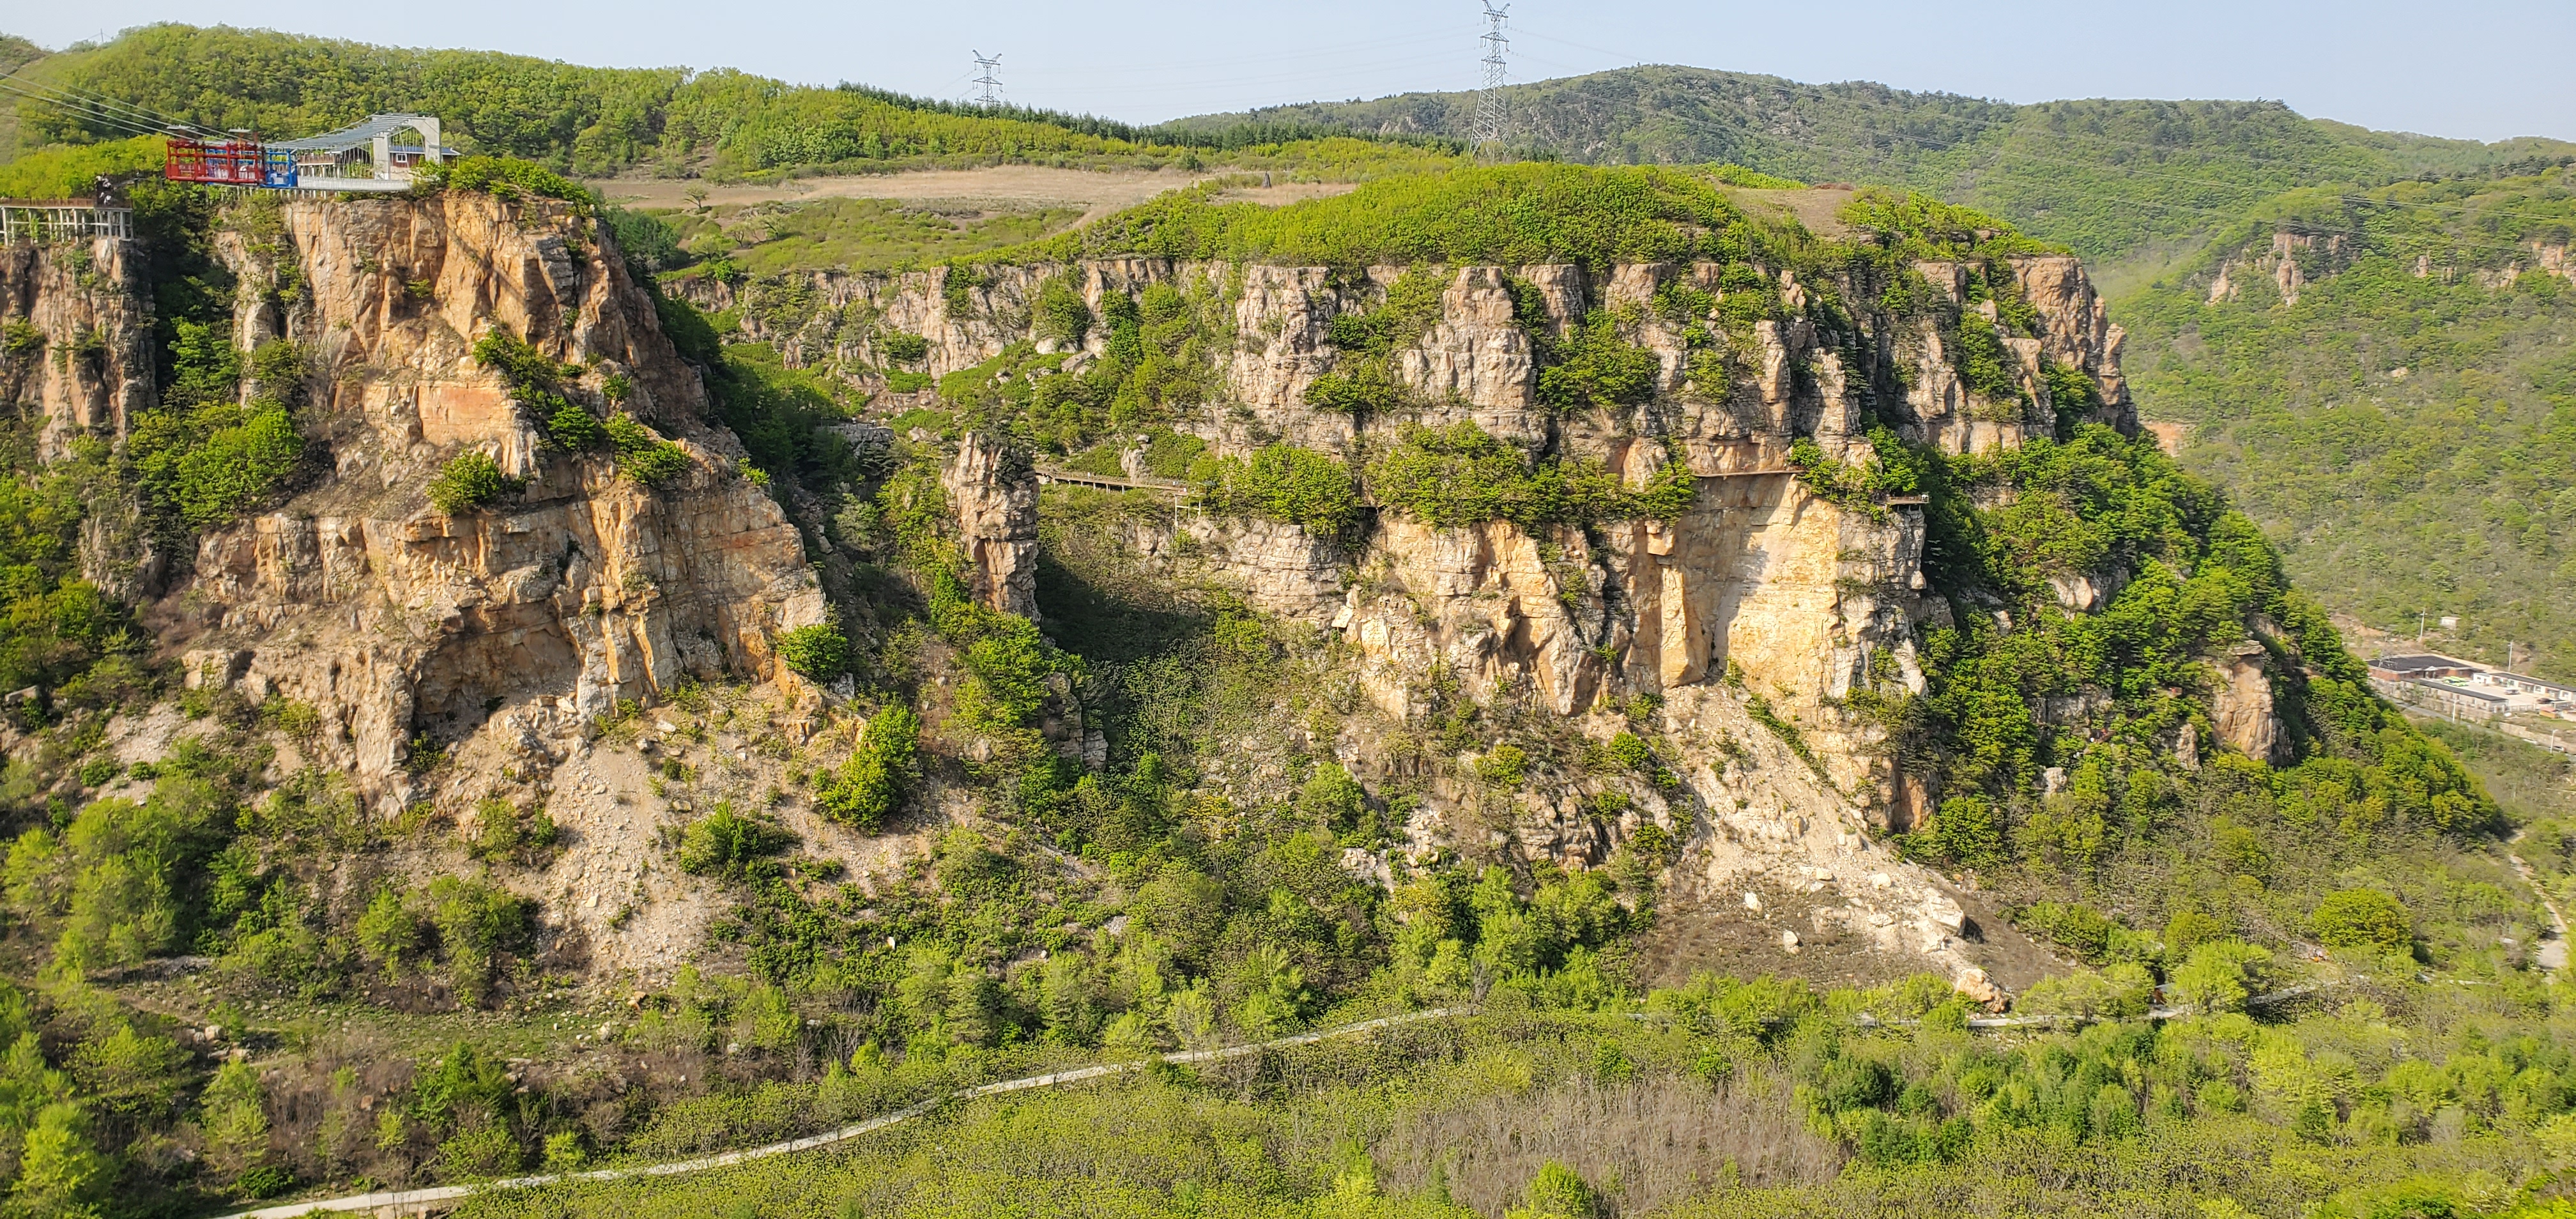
x=643, y=455
x=202, y=456
x=505, y=831
x=536, y=384
x=465, y=925
x=2362, y=918
x=873, y=781
x=1461, y=475
x=1888, y=469
x=731, y=846
x=1364, y=381
x=1282, y=482
x=506, y=178
x=1592, y=367
x=469, y=480
x=819, y=652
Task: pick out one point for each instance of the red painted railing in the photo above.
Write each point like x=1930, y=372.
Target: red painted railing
x=229, y=163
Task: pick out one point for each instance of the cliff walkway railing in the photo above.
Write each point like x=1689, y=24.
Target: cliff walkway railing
x=1105, y=482
x=43, y=220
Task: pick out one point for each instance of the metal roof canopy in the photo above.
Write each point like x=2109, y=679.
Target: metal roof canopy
x=378, y=127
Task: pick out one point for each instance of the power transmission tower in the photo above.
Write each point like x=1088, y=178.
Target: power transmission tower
x=992, y=87
x=1489, y=103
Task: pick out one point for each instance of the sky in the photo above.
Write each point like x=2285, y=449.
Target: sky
x=2476, y=69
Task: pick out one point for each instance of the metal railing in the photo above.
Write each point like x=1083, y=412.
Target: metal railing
x=44, y=220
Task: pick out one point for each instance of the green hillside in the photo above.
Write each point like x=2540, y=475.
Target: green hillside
x=2406, y=430
x=2112, y=179
x=596, y=122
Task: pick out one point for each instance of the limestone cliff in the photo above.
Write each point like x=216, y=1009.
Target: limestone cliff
x=397, y=621
x=1755, y=615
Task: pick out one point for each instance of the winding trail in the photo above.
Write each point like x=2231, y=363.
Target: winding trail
x=421, y=1201
x=424, y=1201
x=2553, y=953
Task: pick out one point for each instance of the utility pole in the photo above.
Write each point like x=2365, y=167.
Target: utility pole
x=984, y=65
x=2419, y=627
x=1489, y=102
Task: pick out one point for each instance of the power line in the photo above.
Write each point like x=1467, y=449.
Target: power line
x=108, y=104
x=99, y=109
x=992, y=95
x=1489, y=105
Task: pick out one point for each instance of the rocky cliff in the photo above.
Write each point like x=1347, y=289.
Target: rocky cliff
x=1756, y=615
x=400, y=623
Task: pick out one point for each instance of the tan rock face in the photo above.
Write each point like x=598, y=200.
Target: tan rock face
x=995, y=496
x=395, y=621
x=87, y=363
x=2241, y=706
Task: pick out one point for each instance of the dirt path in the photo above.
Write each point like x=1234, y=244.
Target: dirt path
x=1011, y=187
x=422, y=1201
x=2553, y=951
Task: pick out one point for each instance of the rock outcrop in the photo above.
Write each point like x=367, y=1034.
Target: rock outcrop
x=78, y=353
x=1758, y=615
x=399, y=623
x=994, y=493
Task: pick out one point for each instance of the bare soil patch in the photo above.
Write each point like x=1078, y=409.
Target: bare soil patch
x=1816, y=209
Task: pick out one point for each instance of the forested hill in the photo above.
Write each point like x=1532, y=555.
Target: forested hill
x=584, y=120
x=2107, y=178
x=2387, y=381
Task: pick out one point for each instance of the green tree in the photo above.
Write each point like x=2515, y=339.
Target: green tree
x=2362, y=918
x=871, y=783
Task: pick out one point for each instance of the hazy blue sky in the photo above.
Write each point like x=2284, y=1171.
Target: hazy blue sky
x=2483, y=69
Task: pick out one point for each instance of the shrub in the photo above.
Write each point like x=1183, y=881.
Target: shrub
x=574, y=428
x=1964, y=831
x=2076, y=927
x=1333, y=797
x=902, y=347
x=1369, y=388
x=731, y=846
x=391, y=933
x=1504, y=766
x=470, y=479
x=506, y=178
x=1558, y=1192
x=649, y=243
x=503, y=830
x=1595, y=367
x=476, y=922
x=2362, y=918
x=644, y=456
x=1886, y=471
x=1460, y=475
x=1283, y=482
x=211, y=462
x=2218, y=977
x=20, y=342
x=818, y=652
x=872, y=781
x=1062, y=314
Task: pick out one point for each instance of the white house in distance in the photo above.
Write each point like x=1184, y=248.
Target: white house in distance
x=2463, y=689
